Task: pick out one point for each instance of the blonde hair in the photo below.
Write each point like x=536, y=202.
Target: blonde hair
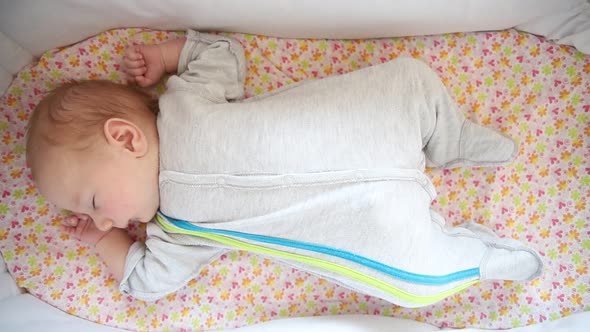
x=73, y=115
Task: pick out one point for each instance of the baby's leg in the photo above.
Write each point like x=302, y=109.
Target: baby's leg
x=448, y=138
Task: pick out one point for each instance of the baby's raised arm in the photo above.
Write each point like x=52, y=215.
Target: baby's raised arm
x=146, y=64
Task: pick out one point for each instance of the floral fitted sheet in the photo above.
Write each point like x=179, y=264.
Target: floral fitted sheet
x=530, y=89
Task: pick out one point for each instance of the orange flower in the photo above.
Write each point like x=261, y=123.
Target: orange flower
x=466, y=51
x=43, y=210
x=582, y=269
x=117, y=296
x=569, y=281
x=317, y=55
x=461, y=100
x=513, y=298
x=515, y=92
x=496, y=47
x=533, y=158
x=196, y=299
x=505, y=62
x=563, y=248
x=576, y=299
x=249, y=298
x=504, y=311
x=400, y=46
x=564, y=94
x=270, y=280
x=531, y=199
x=572, y=172
x=497, y=75
x=56, y=295
x=82, y=283
x=477, y=204
x=131, y=312
x=512, y=119
x=531, y=99
x=49, y=281
x=48, y=261
x=329, y=293
x=565, y=312
x=505, y=105
x=155, y=323
x=580, y=205
x=216, y=281
x=8, y=158
x=452, y=70
x=119, y=48
x=28, y=222
x=7, y=139
x=74, y=61
x=32, y=239
x=93, y=49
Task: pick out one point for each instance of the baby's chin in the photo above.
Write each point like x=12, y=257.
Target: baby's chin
x=150, y=215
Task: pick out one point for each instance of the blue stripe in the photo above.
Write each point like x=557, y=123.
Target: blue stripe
x=391, y=271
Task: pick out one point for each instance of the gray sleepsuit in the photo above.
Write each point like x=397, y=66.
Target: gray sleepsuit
x=326, y=176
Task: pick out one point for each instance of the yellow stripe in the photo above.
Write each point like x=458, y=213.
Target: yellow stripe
x=326, y=265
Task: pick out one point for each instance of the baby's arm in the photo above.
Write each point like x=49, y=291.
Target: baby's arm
x=146, y=64
x=211, y=68
x=112, y=245
x=215, y=63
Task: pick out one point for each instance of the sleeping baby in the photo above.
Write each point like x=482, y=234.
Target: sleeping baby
x=326, y=176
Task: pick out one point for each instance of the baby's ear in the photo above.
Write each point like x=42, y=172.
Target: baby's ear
x=125, y=134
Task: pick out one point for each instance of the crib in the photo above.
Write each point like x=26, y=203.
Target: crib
x=521, y=67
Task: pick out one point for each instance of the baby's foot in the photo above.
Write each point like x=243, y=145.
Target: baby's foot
x=481, y=146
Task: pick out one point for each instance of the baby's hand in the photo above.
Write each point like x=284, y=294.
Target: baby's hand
x=82, y=227
x=144, y=64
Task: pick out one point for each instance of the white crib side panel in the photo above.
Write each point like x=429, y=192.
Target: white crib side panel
x=42, y=25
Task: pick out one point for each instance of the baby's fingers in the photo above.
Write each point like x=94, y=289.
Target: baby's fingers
x=142, y=81
x=133, y=53
x=70, y=230
x=136, y=71
x=132, y=64
x=71, y=221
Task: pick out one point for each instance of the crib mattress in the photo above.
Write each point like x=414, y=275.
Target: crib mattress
x=530, y=89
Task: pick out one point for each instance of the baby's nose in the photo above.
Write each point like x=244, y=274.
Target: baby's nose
x=104, y=224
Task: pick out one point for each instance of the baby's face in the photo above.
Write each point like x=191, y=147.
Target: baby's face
x=110, y=186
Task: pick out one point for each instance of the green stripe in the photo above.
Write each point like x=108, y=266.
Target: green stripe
x=329, y=266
